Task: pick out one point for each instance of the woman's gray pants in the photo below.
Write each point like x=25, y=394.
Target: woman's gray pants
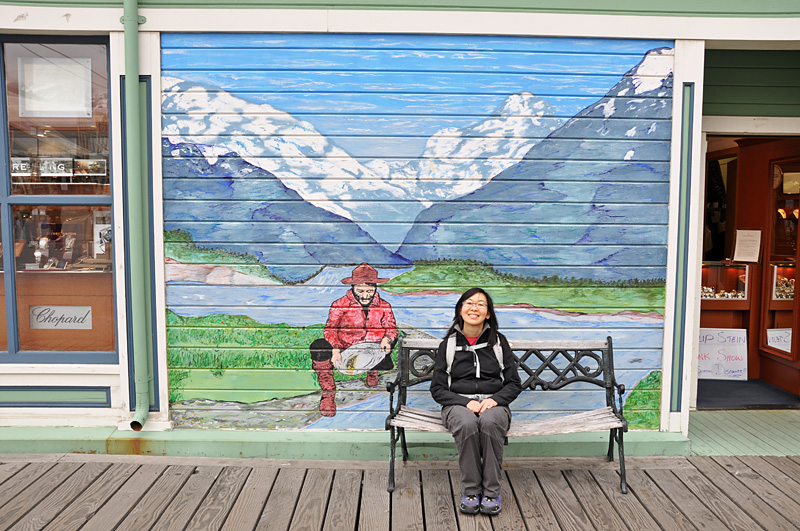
x=479, y=440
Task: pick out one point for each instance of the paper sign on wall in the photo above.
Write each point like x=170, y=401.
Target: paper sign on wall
x=780, y=338
x=722, y=354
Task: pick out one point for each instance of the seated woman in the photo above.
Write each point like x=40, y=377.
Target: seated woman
x=475, y=390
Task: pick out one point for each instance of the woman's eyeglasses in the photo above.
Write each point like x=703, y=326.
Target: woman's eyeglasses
x=481, y=305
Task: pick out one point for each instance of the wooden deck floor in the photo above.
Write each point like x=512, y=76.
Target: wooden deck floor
x=745, y=432
x=65, y=492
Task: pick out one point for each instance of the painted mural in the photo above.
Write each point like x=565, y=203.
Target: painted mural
x=327, y=195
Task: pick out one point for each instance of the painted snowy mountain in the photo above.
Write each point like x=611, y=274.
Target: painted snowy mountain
x=593, y=194
x=457, y=161
x=244, y=209
x=454, y=162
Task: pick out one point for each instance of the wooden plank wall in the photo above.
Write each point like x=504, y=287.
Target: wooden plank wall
x=537, y=168
x=751, y=83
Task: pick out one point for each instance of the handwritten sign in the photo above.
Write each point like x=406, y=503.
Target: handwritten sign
x=722, y=354
x=780, y=338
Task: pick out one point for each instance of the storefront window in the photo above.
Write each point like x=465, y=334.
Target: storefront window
x=57, y=194
x=783, y=255
x=57, y=97
x=64, y=280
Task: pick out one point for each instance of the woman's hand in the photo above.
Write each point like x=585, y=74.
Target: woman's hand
x=486, y=404
x=474, y=406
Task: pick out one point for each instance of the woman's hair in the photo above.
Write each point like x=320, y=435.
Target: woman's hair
x=492, y=319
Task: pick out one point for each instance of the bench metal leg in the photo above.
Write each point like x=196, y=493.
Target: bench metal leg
x=623, y=483
x=392, y=443
x=403, y=443
x=611, y=444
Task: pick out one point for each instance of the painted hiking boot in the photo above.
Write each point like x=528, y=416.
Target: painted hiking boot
x=372, y=378
x=470, y=504
x=324, y=370
x=490, y=504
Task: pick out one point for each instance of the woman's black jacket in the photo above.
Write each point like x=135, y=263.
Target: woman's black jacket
x=462, y=373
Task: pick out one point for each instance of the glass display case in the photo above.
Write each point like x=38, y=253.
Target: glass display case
x=783, y=276
x=722, y=281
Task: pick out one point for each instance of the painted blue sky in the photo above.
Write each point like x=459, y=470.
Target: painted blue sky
x=363, y=90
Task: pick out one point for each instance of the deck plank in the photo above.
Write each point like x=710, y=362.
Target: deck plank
x=251, y=500
x=185, y=503
x=791, y=467
x=780, y=438
x=777, y=477
x=35, y=492
x=533, y=507
x=407, y=501
x=374, y=511
x=342, y=512
x=59, y=498
x=734, y=439
x=282, y=499
x=214, y=510
x=309, y=512
x=17, y=483
x=567, y=508
x=106, y=492
x=759, y=439
x=708, y=440
x=627, y=505
x=89, y=501
x=438, y=500
x=656, y=502
x=7, y=470
x=702, y=443
x=731, y=514
x=689, y=504
x=510, y=518
x=759, y=485
x=149, y=509
x=124, y=499
x=757, y=508
x=594, y=500
x=466, y=522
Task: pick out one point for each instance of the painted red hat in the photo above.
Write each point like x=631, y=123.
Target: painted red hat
x=364, y=274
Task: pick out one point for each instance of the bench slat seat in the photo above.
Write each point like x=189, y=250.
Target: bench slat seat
x=543, y=366
x=595, y=420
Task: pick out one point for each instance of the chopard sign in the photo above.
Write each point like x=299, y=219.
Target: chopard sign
x=61, y=317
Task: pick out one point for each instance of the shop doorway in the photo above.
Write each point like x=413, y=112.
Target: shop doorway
x=752, y=190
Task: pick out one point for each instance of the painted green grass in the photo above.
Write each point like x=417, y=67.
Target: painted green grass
x=568, y=294
x=178, y=245
x=644, y=403
x=220, y=342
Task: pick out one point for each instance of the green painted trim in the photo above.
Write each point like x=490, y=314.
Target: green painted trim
x=327, y=445
x=681, y=266
x=18, y=396
x=686, y=8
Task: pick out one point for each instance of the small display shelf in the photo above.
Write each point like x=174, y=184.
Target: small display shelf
x=783, y=279
x=725, y=286
x=721, y=281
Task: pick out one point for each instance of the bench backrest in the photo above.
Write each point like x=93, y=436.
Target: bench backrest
x=543, y=364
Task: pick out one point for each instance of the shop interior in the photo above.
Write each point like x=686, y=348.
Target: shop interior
x=748, y=355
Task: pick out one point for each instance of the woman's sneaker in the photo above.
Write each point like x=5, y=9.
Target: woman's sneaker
x=490, y=505
x=470, y=504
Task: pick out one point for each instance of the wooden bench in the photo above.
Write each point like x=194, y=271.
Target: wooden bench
x=548, y=365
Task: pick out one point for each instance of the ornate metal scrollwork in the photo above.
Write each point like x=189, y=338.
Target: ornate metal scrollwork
x=581, y=366
x=421, y=363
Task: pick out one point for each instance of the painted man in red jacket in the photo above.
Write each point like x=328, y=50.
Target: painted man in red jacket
x=361, y=316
